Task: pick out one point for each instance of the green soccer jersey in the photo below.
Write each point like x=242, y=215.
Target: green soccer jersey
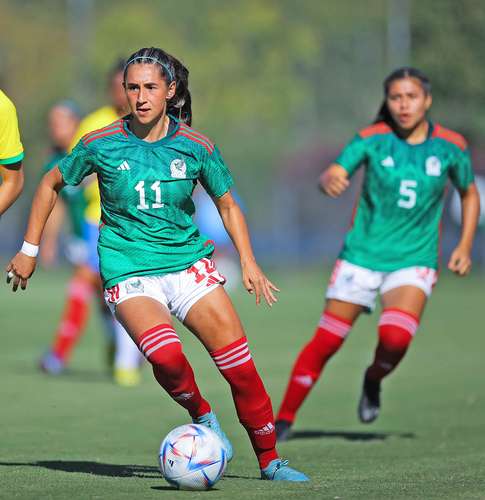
x=396, y=222
x=146, y=197
x=73, y=196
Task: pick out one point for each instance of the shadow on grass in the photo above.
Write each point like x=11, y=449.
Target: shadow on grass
x=69, y=375
x=350, y=436
x=94, y=468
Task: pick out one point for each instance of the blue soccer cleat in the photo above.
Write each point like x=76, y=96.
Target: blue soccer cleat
x=278, y=470
x=52, y=364
x=210, y=421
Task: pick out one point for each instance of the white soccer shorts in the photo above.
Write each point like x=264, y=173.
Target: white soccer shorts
x=359, y=285
x=177, y=291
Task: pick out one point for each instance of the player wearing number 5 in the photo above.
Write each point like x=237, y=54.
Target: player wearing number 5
x=153, y=260
x=392, y=246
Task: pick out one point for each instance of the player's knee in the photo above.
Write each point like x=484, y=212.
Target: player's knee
x=161, y=346
x=394, y=339
x=330, y=334
x=397, y=329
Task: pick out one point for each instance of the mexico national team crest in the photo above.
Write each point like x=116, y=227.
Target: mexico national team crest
x=178, y=169
x=134, y=286
x=433, y=166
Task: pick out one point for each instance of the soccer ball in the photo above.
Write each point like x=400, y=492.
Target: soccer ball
x=192, y=457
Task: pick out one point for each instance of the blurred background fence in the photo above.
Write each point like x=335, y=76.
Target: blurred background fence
x=280, y=85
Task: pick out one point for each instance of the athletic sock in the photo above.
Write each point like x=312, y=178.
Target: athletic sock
x=328, y=338
x=396, y=330
x=74, y=318
x=161, y=346
x=253, y=405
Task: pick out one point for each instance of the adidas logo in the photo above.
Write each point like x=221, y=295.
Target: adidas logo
x=184, y=396
x=388, y=162
x=304, y=380
x=124, y=166
x=267, y=429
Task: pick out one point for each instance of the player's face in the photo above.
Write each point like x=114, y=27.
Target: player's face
x=62, y=126
x=408, y=103
x=147, y=92
x=117, y=93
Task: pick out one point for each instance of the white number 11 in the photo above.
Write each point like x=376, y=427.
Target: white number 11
x=143, y=205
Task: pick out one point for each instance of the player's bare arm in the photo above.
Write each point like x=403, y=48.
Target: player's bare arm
x=22, y=266
x=12, y=184
x=460, y=260
x=334, y=180
x=235, y=223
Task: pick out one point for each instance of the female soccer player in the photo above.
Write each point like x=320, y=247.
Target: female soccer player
x=392, y=246
x=153, y=259
x=11, y=154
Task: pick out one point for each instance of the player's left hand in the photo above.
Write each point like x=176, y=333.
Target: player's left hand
x=257, y=283
x=460, y=261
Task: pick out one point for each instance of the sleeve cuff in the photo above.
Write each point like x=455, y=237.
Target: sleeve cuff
x=13, y=159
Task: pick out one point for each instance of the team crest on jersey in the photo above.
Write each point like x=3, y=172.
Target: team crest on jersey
x=178, y=169
x=134, y=286
x=433, y=166
x=388, y=162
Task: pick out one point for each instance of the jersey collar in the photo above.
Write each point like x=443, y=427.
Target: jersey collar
x=172, y=130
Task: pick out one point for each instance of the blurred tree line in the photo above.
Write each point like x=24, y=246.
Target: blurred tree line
x=268, y=77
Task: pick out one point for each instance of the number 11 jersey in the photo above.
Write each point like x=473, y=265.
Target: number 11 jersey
x=396, y=221
x=146, y=197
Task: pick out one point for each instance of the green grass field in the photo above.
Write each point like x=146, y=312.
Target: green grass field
x=79, y=436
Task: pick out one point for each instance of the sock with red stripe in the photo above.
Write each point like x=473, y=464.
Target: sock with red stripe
x=161, y=346
x=74, y=318
x=253, y=405
x=327, y=340
x=396, y=330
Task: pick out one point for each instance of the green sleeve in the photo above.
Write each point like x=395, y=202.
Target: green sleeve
x=461, y=172
x=214, y=175
x=78, y=165
x=353, y=154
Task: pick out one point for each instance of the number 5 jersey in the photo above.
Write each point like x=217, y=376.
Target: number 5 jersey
x=146, y=196
x=396, y=221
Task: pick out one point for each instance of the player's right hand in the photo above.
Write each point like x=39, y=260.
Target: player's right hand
x=19, y=270
x=334, y=181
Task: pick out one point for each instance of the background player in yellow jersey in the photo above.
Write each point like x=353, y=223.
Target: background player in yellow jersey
x=11, y=154
x=85, y=282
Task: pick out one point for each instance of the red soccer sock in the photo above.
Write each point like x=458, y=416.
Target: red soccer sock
x=163, y=349
x=328, y=338
x=74, y=318
x=396, y=330
x=253, y=405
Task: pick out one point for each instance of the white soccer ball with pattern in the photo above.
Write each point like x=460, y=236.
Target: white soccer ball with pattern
x=192, y=457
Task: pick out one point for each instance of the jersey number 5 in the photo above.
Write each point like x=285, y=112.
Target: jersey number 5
x=408, y=194
x=143, y=205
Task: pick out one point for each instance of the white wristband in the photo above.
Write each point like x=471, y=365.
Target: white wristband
x=29, y=249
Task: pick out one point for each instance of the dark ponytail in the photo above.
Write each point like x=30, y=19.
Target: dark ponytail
x=171, y=70
x=383, y=115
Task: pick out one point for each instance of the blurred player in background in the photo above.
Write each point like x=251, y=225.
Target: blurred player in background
x=11, y=154
x=83, y=203
x=392, y=246
x=154, y=261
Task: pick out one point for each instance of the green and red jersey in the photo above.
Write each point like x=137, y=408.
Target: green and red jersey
x=396, y=222
x=146, y=196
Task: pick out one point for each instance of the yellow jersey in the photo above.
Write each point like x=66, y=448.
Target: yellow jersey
x=97, y=119
x=11, y=149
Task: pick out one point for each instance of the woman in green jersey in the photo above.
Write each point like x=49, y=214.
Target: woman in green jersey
x=153, y=260
x=392, y=247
